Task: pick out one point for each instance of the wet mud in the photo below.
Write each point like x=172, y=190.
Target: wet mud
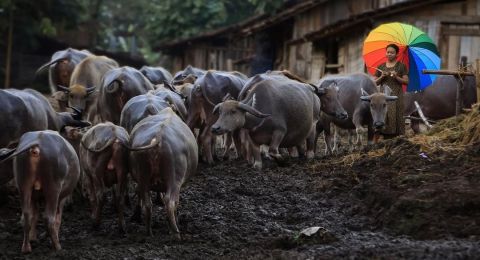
x=386, y=201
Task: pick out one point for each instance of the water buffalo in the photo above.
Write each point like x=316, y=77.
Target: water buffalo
x=209, y=90
x=163, y=155
x=118, y=86
x=438, y=100
x=189, y=70
x=174, y=98
x=104, y=160
x=277, y=111
x=141, y=107
x=365, y=105
x=60, y=68
x=28, y=110
x=156, y=75
x=86, y=79
x=46, y=168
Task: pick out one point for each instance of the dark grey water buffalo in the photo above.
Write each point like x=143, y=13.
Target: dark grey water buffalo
x=24, y=111
x=163, y=156
x=86, y=79
x=156, y=75
x=118, y=86
x=104, y=160
x=365, y=106
x=189, y=70
x=46, y=169
x=209, y=90
x=277, y=111
x=60, y=69
x=140, y=107
x=438, y=100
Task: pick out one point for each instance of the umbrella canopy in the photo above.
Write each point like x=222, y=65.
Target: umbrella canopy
x=417, y=52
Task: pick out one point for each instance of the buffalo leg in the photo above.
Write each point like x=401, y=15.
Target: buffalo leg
x=328, y=138
x=147, y=204
x=51, y=206
x=27, y=209
x=277, y=138
x=310, y=142
x=35, y=213
x=120, y=199
x=171, y=202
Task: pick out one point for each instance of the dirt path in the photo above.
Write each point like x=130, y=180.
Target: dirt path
x=230, y=211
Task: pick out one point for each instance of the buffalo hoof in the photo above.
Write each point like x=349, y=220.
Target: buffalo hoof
x=26, y=248
x=257, y=166
x=177, y=237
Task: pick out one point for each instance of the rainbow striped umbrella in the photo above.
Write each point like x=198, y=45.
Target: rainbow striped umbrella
x=417, y=52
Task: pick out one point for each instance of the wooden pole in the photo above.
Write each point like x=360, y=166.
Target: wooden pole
x=448, y=72
x=9, y=48
x=477, y=78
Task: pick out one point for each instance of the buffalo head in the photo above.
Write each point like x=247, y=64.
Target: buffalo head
x=378, y=105
x=329, y=102
x=232, y=115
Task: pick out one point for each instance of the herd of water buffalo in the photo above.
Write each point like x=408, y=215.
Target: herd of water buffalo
x=150, y=127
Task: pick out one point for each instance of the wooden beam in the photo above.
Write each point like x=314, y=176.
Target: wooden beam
x=461, y=31
x=448, y=72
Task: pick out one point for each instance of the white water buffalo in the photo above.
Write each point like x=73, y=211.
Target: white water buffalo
x=104, y=159
x=365, y=106
x=86, y=79
x=156, y=75
x=277, y=111
x=118, y=86
x=60, y=69
x=438, y=100
x=209, y=90
x=141, y=107
x=46, y=169
x=163, y=155
x=24, y=111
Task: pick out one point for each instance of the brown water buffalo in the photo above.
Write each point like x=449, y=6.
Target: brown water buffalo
x=140, y=107
x=277, y=111
x=60, y=68
x=86, y=79
x=104, y=160
x=209, y=90
x=156, y=75
x=189, y=70
x=163, y=156
x=438, y=101
x=24, y=111
x=46, y=169
x=118, y=86
x=359, y=96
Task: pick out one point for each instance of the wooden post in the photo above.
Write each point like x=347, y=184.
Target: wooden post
x=477, y=78
x=460, y=88
x=8, y=62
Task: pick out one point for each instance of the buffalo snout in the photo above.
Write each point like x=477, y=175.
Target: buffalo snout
x=217, y=130
x=378, y=124
x=342, y=115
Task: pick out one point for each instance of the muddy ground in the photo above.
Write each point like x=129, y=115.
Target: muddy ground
x=387, y=201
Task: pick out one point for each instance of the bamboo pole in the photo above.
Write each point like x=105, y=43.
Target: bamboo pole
x=422, y=116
